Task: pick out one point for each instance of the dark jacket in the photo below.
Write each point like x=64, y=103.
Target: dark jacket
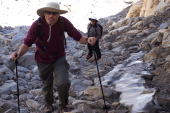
x=51, y=34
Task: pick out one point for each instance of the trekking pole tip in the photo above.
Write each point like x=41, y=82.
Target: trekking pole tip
x=106, y=107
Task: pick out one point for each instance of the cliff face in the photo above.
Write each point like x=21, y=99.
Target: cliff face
x=146, y=7
x=157, y=44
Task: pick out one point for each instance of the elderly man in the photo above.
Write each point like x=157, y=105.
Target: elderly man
x=50, y=52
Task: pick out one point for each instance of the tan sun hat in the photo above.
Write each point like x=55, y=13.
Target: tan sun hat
x=51, y=6
x=93, y=18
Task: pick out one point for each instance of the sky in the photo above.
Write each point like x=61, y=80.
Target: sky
x=23, y=12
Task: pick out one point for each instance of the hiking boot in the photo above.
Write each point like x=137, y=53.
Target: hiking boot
x=63, y=110
x=98, y=59
x=48, y=109
x=88, y=57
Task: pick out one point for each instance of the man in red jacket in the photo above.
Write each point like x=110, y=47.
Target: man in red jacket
x=50, y=53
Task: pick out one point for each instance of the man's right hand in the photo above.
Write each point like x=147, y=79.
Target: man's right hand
x=22, y=50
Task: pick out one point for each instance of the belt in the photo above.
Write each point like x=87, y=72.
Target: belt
x=49, y=53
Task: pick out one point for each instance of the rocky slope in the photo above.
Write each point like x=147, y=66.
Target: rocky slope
x=143, y=39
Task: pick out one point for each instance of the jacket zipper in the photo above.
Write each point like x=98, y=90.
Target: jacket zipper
x=49, y=34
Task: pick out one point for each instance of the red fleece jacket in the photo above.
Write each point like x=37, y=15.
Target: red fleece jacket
x=51, y=39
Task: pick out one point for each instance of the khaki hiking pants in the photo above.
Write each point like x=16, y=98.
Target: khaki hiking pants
x=55, y=73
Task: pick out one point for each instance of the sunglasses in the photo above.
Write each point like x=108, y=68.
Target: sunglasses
x=49, y=13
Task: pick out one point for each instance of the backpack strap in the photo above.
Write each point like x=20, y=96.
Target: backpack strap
x=96, y=31
x=39, y=31
x=62, y=32
x=98, y=25
x=101, y=28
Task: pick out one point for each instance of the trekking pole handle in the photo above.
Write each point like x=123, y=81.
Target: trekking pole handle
x=16, y=61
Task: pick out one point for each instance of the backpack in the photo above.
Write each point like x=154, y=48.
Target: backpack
x=101, y=27
x=40, y=33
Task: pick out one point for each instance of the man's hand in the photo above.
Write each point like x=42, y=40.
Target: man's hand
x=15, y=56
x=22, y=50
x=92, y=40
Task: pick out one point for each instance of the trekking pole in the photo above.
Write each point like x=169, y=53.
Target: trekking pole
x=105, y=107
x=105, y=58
x=16, y=64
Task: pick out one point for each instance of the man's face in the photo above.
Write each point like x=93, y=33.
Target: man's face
x=51, y=17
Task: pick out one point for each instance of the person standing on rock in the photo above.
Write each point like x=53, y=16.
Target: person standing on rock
x=94, y=30
x=50, y=53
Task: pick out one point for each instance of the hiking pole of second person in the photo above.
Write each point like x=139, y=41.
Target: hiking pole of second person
x=105, y=107
x=16, y=64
